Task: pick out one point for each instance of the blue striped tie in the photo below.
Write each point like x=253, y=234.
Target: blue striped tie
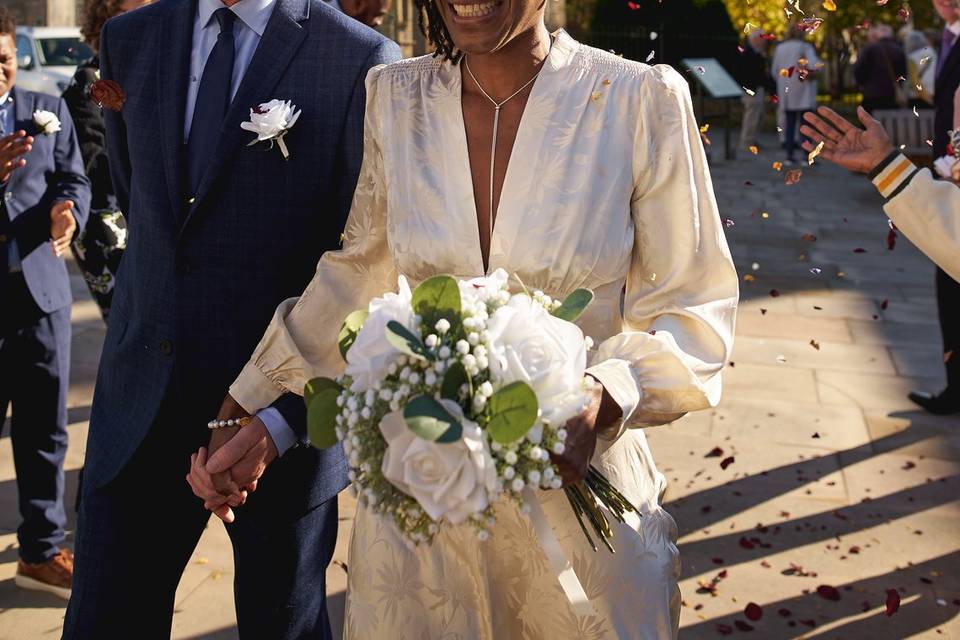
x=213, y=99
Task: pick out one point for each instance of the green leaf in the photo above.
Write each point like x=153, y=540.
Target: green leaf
x=455, y=377
x=438, y=297
x=322, y=418
x=428, y=419
x=513, y=412
x=350, y=330
x=406, y=341
x=575, y=304
x=315, y=386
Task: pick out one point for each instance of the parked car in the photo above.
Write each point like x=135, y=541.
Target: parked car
x=47, y=57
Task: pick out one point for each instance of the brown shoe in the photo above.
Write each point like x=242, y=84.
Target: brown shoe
x=53, y=576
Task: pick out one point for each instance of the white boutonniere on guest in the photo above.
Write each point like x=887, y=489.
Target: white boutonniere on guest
x=271, y=121
x=47, y=122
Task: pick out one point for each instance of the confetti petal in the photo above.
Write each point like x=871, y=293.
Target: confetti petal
x=893, y=602
x=815, y=152
x=753, y=611
x=827, y=592
x=829, y=5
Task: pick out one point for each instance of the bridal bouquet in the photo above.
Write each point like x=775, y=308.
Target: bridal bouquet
x=454, y=396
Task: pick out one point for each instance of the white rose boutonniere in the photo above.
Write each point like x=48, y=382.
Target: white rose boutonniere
x=47, y=121
x=271, y=121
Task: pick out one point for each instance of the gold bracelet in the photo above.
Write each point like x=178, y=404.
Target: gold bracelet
x=231, y=422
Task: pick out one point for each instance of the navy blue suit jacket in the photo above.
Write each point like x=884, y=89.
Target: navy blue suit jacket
x=204, y=272
x=54, y=171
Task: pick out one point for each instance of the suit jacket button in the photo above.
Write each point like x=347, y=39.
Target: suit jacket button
x=191, y=199
x=166, y=347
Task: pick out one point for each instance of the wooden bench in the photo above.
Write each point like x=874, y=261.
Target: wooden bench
x=909, y=131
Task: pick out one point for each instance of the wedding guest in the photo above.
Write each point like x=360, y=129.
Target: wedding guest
x=369, y=12
x=99, y=245
x=879, y=68
x=925, y=209
x=45, y=198
x=795, y=66
x=948, y=289
x=921, y=69
x=753, y=73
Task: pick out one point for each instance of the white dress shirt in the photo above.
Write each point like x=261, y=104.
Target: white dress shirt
x=253, y=16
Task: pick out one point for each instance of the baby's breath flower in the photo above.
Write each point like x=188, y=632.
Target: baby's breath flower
x=509, y=473
x=518, y=484
x=442, y=326
x=463, y=347
x=431, y=340
x=444, y=352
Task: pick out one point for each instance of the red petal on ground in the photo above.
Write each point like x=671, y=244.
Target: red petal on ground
x=891, y=239
x=763, y=311
x=743, y=626
x=784, y=613
x=774, y=293
x=724, y=629
x=633, y=6
x=753, y=611
x=722, y=575
x=809, y=237
x=854, y=549
x=726, y=462
x=717, y=560
x=859, y=250
x=827, y=592
x=716, y=452
x=884, y=305
x=893, y=601
x=746, y=544
x=809, y=623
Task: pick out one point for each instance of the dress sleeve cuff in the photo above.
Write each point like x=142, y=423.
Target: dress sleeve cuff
x=618, y=379
x=892, y=174
x=253, y=390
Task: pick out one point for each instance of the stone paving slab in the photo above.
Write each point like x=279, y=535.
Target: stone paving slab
x=835, y=472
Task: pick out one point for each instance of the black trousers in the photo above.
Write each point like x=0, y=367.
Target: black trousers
x=136, y=534
x=34, y=378
x=948, y=306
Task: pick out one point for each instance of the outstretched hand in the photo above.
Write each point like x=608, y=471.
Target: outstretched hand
x=844, y=144
x=12, y=149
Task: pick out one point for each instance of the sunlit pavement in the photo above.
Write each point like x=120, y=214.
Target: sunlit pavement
x=832, y=480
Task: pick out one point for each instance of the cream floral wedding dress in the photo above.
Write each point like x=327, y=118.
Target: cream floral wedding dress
x=607, y=188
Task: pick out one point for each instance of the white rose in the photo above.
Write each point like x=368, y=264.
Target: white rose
x=449, y=480
x=47, y=121
x=371, y=355
x=530, y=345
x=271, y=119
x=485, y=287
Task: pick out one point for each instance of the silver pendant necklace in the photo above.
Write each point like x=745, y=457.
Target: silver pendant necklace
x=496, y=123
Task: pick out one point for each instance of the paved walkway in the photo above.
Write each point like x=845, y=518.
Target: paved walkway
x=836, y=481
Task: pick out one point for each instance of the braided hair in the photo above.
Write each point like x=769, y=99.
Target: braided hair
x=433, y=28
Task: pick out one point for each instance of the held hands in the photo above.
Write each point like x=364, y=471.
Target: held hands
x=62, y=226
x=236, y=460
x=12, y=150
x=582, y=431
x=844, y=144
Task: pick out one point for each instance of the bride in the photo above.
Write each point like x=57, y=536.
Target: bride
x=570, y=167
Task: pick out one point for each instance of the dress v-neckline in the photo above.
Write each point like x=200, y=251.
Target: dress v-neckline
x=486, y=262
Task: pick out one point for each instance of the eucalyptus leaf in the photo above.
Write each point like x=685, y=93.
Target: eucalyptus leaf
x=431, y=421
x=322, y=418
x=513, y=412
x=455, y=377
x=575, y=304
x=438, y=297
x=315, y=386
x=350, y=330
x=406, y=341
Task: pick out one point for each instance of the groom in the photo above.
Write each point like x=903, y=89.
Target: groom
x=219, y=233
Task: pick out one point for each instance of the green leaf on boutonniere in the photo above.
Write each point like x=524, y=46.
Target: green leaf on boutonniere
x=438, y=297
x=431, y=421
x=407, y=342
x=513, y=412
x=350, y=330
x=455, y=377
x=575, y=304
x=321, y=395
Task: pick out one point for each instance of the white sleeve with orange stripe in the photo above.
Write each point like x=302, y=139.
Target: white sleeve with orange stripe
x=925, y=209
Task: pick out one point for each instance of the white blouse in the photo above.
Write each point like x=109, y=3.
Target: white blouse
x=607, y=188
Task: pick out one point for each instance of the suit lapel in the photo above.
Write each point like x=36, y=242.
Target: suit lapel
x=23, y=108
x=281, y=40
x=173, y=68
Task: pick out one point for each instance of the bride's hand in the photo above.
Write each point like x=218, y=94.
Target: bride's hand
x=582, y=432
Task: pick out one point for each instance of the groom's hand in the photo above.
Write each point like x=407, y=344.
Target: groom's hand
x=244, y=457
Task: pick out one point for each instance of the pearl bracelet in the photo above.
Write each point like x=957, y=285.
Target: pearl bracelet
x=231, y=422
